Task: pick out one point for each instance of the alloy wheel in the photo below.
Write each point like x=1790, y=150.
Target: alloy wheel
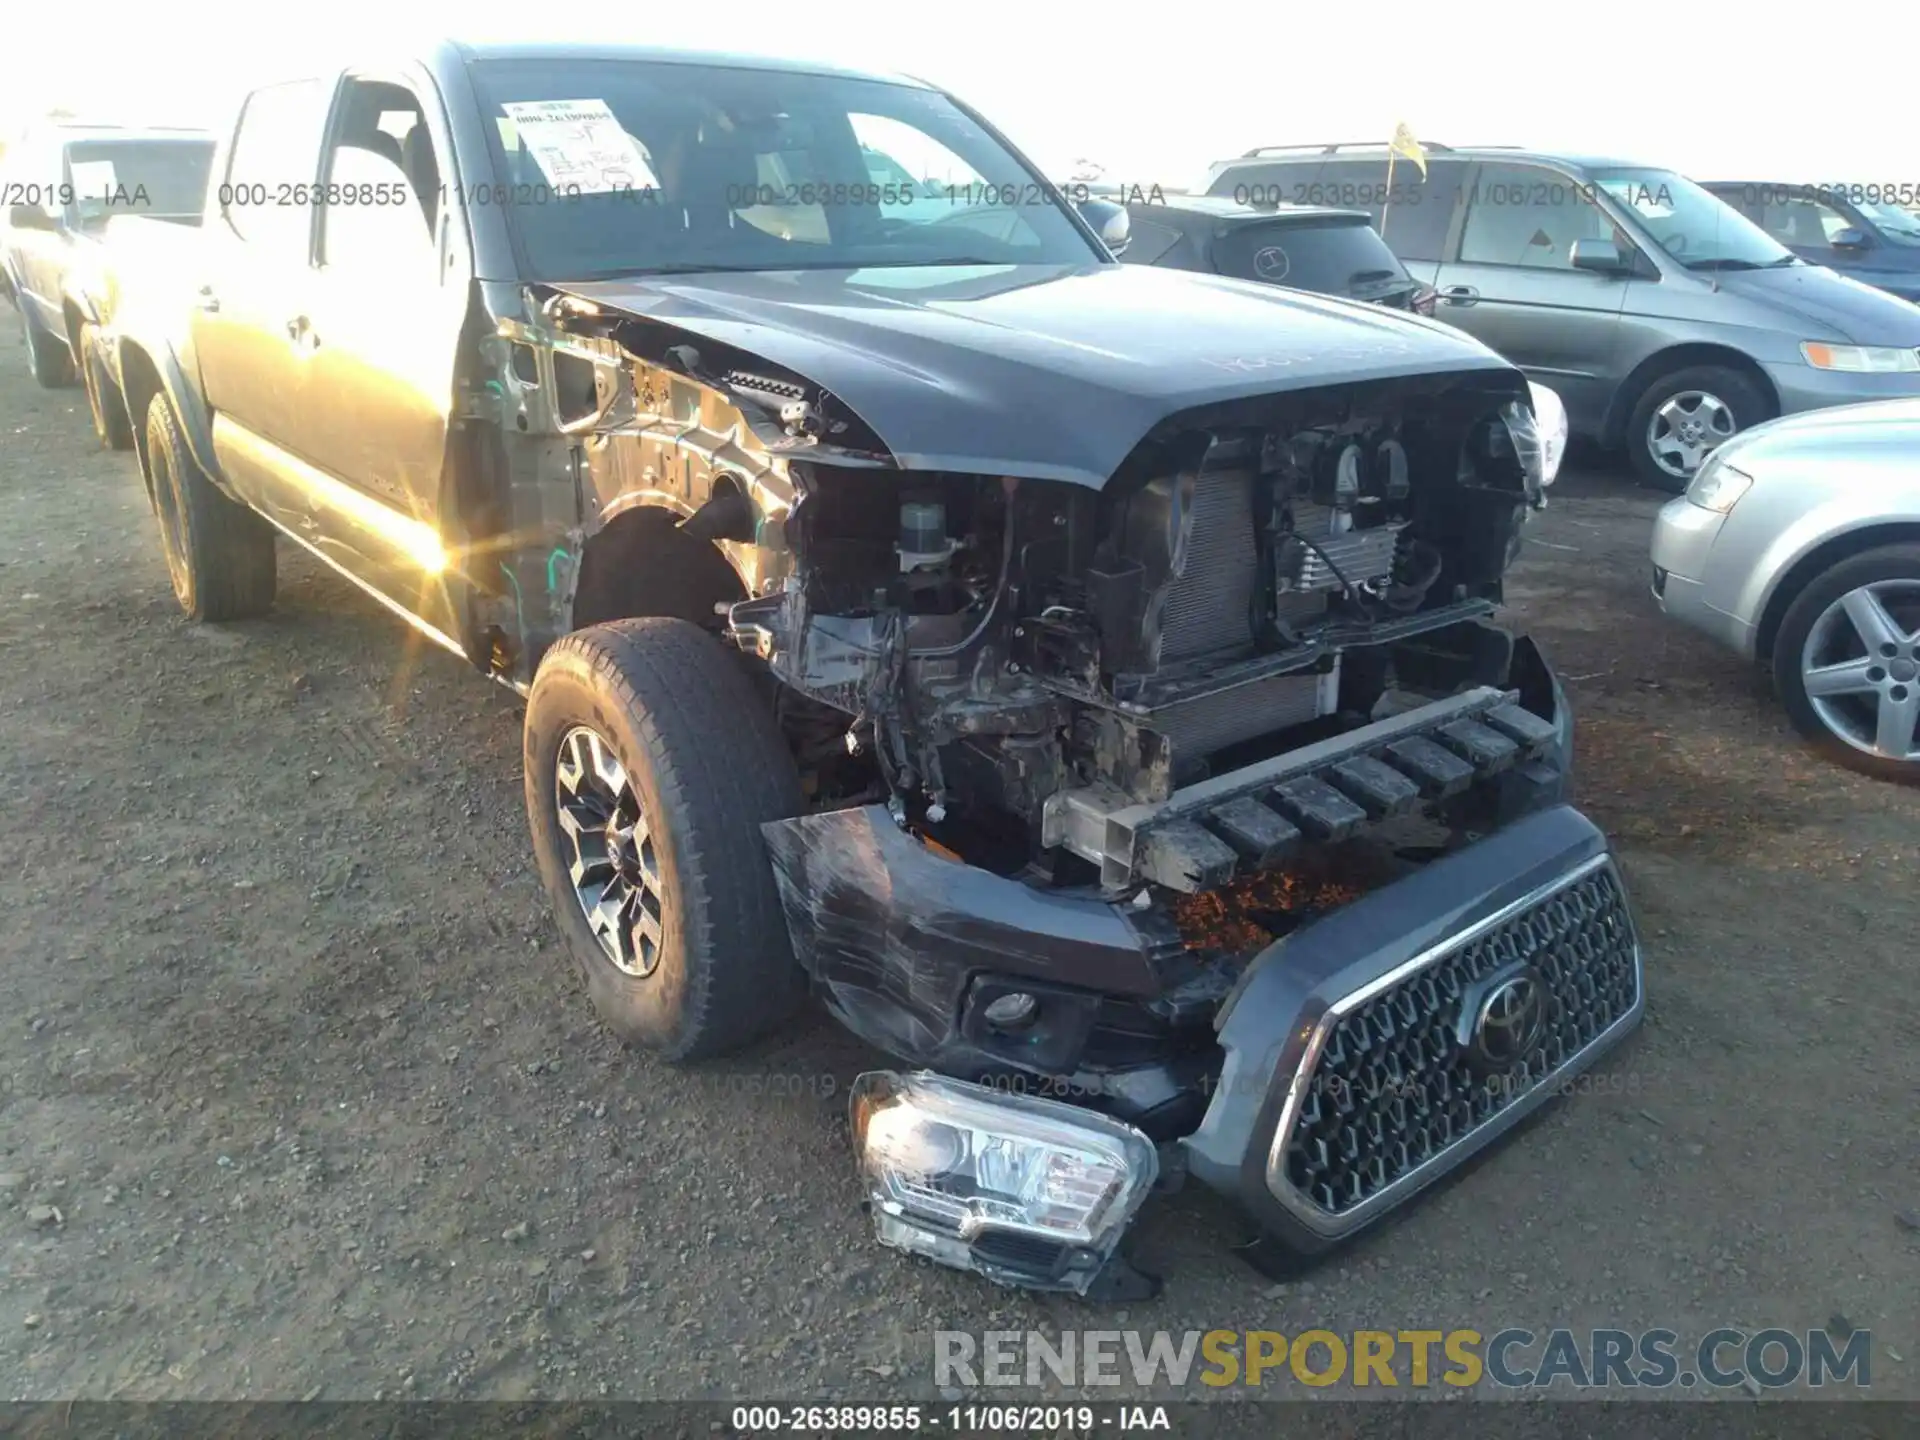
x=1860, y=667
x=1686, y=428
x=613, y=865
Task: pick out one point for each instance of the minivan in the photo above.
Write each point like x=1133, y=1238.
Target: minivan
x=1666, y=320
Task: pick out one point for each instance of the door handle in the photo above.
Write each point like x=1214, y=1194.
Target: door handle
x=208, y=301
x=1460, y=295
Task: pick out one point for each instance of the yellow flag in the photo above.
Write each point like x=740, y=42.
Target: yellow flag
x=1405, y=144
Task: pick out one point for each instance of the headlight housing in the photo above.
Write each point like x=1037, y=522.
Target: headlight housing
x=1718, y=486
x=1025, y=1191
x=1523, y=433
x=1550, y=417
x=1861, y=359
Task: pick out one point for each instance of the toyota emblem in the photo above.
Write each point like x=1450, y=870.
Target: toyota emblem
x=1271, y=263
x=1508, y=1022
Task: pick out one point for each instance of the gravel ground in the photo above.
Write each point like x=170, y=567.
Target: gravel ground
x=298, y=1096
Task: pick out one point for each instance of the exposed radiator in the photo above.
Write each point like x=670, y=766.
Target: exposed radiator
x=1209, y=608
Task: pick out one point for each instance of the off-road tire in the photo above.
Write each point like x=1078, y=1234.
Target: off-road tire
x=220, y=555
x=708, y=767
x=110, y=424
x=47, y=358
x=1740, y=393
x=1890, y=562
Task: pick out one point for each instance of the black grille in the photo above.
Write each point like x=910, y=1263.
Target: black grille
x=1397, y=1083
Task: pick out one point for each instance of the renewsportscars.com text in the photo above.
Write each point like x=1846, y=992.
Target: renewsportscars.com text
x=1514, y=1359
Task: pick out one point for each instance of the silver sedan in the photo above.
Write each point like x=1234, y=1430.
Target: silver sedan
x=1798, y=545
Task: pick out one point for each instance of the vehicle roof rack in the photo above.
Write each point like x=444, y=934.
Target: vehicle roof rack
x=1338, y=146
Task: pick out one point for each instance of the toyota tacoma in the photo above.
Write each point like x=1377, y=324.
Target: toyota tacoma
x=1083, y=677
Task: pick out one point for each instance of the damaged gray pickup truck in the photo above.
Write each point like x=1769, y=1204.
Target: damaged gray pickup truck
x=1080, y=676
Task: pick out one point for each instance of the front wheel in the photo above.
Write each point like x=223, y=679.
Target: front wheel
x=219, y=553
x=650, y=766
x=1847, y=663
x=1684, y=416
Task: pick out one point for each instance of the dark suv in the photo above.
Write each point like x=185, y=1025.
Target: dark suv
x=1666, y=319
x=1844, y=227
x=1304, y=247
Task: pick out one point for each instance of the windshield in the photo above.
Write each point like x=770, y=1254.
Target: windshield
x=1901, y=227
x=619, y=167
x=139, y=177
x=1695, y=227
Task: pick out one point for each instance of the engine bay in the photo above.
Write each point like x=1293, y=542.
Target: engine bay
x=970, y=650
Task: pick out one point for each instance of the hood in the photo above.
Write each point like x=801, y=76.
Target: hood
x=1858, y=312
x=1043, y=372
x=1875, y=423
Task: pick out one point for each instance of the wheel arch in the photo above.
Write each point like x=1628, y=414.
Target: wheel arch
x=1681, y=357
x=1816, y=561
x=642, y=563
x=140, y=381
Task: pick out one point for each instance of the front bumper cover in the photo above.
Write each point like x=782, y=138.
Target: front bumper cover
x=1539, y=898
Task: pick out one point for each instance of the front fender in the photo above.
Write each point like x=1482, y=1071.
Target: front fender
x=81, y=300
x=1841, y=514
x=144, y=365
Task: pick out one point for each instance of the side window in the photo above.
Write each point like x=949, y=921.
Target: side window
x=1151, y=240
x=1526, y=216
x=380, y=188
x=372, y=224
x=1415, y=215
x=1802, y=223
x=267, y=196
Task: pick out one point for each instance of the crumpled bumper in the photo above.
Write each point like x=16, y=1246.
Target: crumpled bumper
x=1378, y=1049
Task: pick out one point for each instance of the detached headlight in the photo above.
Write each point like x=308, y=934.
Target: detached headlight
x=1718, y=487
x=1550, y=416
x=1025, y=1191
x=1861, y=359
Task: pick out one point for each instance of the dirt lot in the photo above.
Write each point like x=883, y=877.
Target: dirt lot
x=293, y=1052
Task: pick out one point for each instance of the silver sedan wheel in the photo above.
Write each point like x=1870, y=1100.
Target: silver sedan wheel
x=1686, y=429
x=610, y=853
x=1861, y=669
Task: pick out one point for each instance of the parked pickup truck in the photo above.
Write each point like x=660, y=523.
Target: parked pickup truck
x=66, y=192
x=1080, y=676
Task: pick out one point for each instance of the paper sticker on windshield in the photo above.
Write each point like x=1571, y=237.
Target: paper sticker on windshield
x=95, y=181
x=580, y=147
